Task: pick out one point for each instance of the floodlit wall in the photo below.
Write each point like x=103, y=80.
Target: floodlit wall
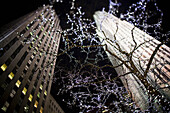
x=110, y=30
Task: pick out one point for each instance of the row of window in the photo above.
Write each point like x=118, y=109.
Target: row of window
x=19, y=81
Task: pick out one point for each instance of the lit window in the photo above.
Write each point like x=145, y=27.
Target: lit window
x=41, y=110
x=30, y=98
x=11, y=75
x=41, y=86
x=36, y=104
x=12, y=93
x=4, y=108
x=34, y=52
x=3, y=67
x=36, y=48
x=42, y=28
x=31, y=33
x=18, y=83
x=32, y=56
x=37, y=36
x=24, y=91
x=38, y=94
x=26, y=108
x=49, y=74
x=45, y=92
x=45, y=33
x=27, y=27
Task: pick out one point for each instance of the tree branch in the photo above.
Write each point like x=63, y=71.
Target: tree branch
x=151, y=58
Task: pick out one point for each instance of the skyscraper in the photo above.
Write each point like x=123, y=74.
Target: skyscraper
x=122, y=37
x=28, y=49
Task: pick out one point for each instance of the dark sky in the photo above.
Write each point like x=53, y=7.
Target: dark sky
x=13, y=9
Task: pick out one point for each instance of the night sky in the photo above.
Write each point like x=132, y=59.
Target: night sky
x=13, y=9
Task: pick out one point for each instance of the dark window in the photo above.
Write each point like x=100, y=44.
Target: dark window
x=17, y=51
x=35, y=84
x=23, y=31
x=30, y=77
x=2, y=51
x=25, y=71
x=8, y=62
x=26, y=86
x=39, y=33
x=14, y=70
x=22, y=59
x=17, y=107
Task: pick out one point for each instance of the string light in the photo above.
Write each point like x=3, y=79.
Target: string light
x=88, y=87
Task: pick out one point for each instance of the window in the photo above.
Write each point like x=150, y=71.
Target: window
x=24, y=91
x=36, y=104
x=38, y=94
x=4, y=108
x=31, y=33
x=41, y=86
x=11, y=75
x=3, y=67
x=6, y=48
x=30, y=98
x=45, y=92
x=49, y=74
x=17, y=51
x=22, y=59
x=26, y=108
x=14, y=70
x=4, y=85
x=12, y=93
x=41, y=110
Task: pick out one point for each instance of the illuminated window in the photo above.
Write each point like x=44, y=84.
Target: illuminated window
x=30, y=98
x=45, y=92
x=42, y=28
x=41, y=86
x=3, y=67
x=18, y=83
x=24, y=91
x=36, y=104
x=49, y=74
x=38, y=94
x=4, y=108
x=31, y=33
x=11, y=75
x=27, y=27
x=12, y=93
x=41, y=110
x=34, y=53
x=26, y=108
x=36, y=48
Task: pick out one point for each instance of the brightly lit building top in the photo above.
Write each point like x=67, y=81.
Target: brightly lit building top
x=112, y=29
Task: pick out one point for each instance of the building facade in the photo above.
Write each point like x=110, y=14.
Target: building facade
x=127, y=37
x=28, y=51
x=53, y=107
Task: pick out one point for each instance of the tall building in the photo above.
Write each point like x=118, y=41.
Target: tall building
x=28, y=50
x=112, y=29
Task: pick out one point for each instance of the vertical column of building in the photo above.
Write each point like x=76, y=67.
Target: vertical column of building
x=128, y=37
x=27, y=61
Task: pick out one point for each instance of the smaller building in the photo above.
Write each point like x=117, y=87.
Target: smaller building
x=53, y=106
